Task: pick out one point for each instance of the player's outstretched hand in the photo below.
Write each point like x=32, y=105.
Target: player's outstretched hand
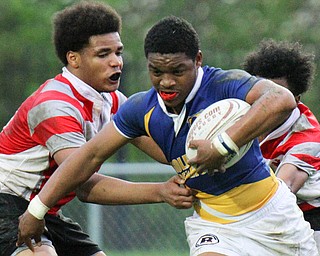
x=176, y=194
x=208, y=159
x=29, y=227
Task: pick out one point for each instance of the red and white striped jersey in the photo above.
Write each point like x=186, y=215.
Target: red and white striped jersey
x=297, y=142
x=63, y=113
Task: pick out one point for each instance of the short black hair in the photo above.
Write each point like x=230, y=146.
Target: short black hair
x=74, y=26
x=172, y=35
x=282, y=60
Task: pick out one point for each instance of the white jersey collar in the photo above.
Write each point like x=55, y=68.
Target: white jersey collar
x=84, y=89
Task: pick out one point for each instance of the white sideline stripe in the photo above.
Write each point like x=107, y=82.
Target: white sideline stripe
x=221, y=215
x=151, y=168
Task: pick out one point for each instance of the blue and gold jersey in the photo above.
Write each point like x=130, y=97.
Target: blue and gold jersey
x=225, y=197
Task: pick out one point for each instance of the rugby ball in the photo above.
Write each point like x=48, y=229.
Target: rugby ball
x=215, y=119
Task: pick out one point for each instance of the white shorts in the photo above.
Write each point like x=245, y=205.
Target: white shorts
x=44, y=241
x=277, y=229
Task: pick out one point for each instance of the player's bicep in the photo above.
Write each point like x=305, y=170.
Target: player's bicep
x=259, y=89
x=62, y=154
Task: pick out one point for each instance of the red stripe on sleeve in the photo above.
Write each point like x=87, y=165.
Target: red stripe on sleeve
x=55, y=125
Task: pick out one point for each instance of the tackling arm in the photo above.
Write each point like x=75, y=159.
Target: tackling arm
x=87, y=158
x=67, y=178
x=103, y=189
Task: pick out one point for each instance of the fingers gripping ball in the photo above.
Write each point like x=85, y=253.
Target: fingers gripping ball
x=211, y=124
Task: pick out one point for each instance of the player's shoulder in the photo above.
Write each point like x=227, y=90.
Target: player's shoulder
x=49, y=90
x=54, y=92
x=233, y=74
x=218, y=75
x=138, y=103
x=54, y=85
x=57, y=98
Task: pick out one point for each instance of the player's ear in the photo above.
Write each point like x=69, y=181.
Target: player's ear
x=198, y=59
x=73, y=59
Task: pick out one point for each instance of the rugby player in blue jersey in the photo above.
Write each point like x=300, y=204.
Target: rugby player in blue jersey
x=241, y=210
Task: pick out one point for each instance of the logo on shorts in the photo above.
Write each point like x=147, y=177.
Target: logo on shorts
x=207, y=239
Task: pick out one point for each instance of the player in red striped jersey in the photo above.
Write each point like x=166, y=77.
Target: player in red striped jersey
x=58, y=118
x=293, y=149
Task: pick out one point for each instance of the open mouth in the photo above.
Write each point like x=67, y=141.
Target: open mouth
x=167, y=95
x=115, y=77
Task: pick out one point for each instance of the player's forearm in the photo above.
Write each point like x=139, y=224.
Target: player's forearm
x=292, y=176
x=60, y=184
x=102, y=189
x=269, y=109
x=64, y=180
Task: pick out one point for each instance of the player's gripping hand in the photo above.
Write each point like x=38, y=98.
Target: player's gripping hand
x=208, y=159
x=30, y=227
x=176, y=194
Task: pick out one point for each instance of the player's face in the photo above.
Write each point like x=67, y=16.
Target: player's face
x=100, y=63
x=173, y=76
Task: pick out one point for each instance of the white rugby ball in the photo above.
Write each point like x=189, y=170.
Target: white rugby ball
x=215, y=119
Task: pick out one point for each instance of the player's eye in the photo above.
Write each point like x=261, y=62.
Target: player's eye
x=103, y=55
x=155, y=72
x=119, y=53
x=178, y=72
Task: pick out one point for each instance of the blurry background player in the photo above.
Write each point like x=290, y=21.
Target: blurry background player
x=244, y=210
x=293, y=149
x=58, y=118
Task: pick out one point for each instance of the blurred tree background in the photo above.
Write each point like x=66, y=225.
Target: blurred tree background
x=228, y=30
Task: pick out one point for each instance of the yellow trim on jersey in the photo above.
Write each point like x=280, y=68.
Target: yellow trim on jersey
x=238, y=203
x=146, y=121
